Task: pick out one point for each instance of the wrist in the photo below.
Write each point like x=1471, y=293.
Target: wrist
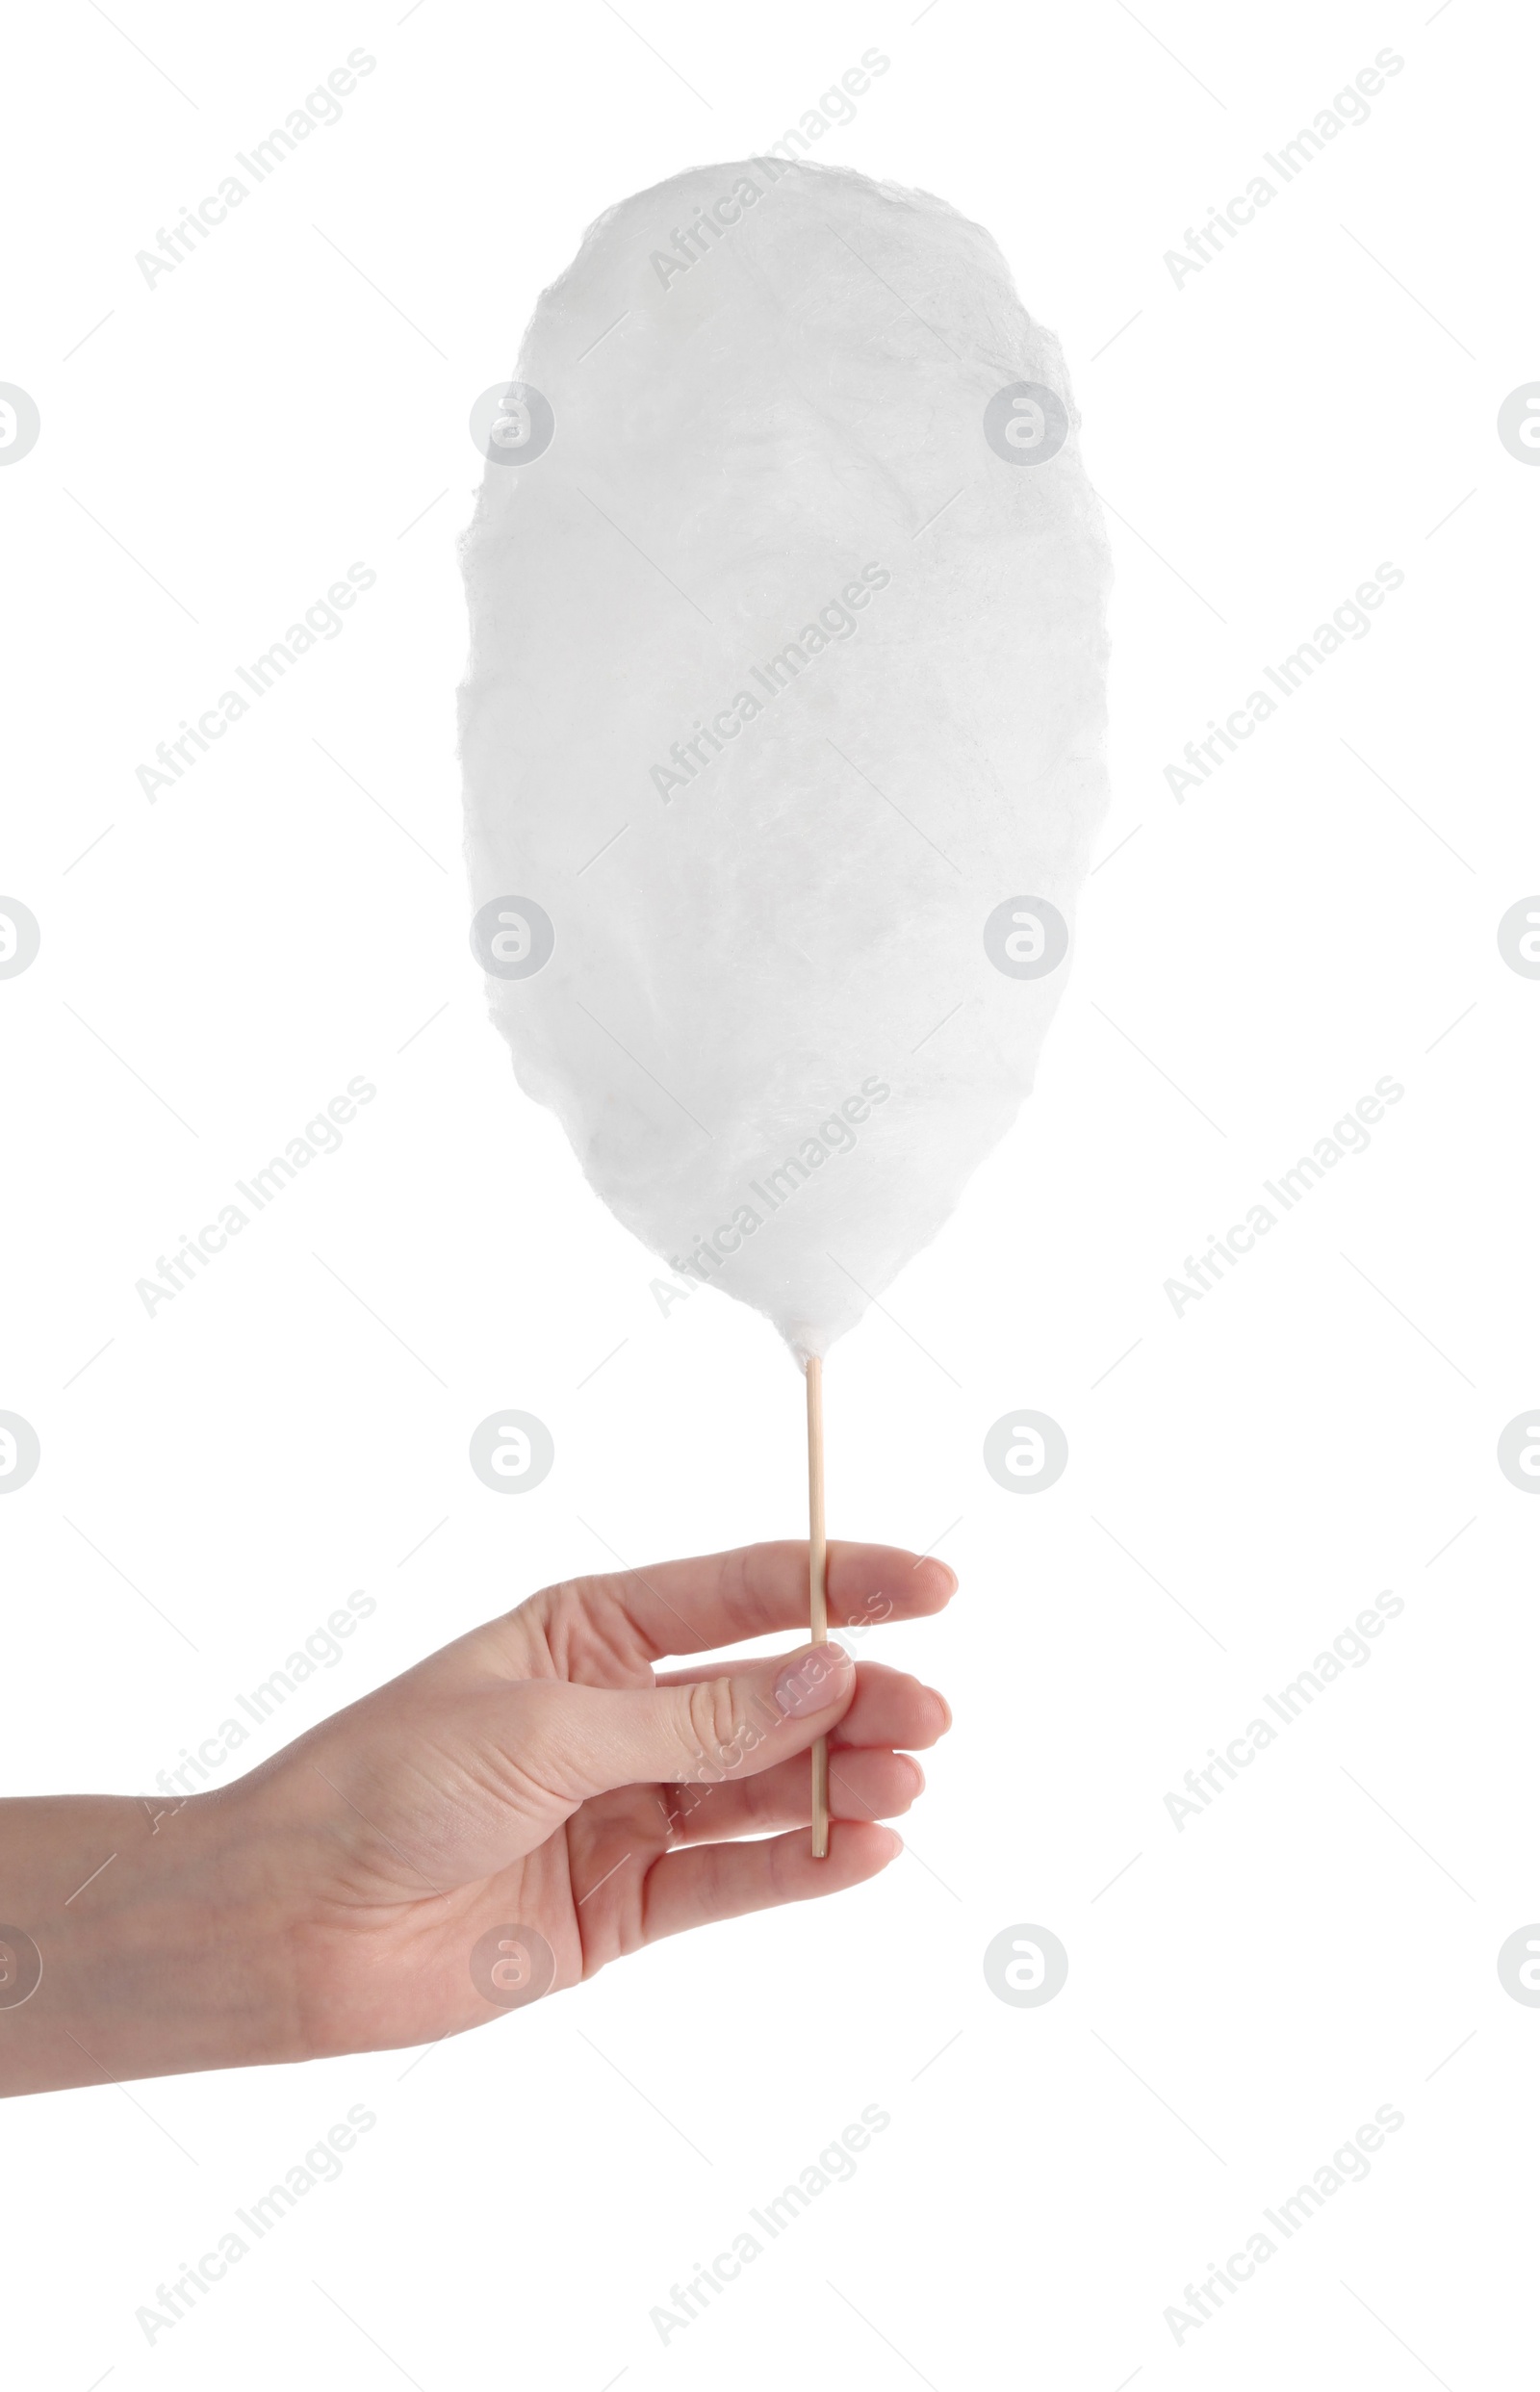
x=160, y=1938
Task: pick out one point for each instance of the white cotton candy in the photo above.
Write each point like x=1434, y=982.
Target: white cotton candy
x=783, y=496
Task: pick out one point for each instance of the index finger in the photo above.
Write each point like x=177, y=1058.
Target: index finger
x=717, y=1599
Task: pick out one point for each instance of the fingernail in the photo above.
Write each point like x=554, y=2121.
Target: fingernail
x=946, y=1707
x=812, y=1680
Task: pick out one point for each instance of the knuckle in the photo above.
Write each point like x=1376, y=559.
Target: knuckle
x=713, y=1731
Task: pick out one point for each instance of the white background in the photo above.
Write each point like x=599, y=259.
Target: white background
x=215, y=452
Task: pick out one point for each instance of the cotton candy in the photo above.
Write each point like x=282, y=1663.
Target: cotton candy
x=783, y=729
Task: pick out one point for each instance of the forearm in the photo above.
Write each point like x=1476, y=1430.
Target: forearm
x=161, y=1945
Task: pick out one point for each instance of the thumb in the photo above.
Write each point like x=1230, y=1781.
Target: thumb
x=700, y=1732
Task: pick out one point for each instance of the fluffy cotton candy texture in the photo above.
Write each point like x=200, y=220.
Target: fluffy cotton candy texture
x=753, y=942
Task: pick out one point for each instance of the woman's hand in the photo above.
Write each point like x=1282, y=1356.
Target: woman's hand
x=529, y=1803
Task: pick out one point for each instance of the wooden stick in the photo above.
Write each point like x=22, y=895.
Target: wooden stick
x=818, y=1589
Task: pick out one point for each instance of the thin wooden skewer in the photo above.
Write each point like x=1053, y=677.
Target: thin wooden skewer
x=818, y=1589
